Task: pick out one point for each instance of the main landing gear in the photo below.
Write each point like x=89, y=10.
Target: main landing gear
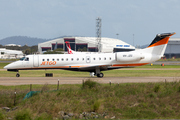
x=100, y=75
x=17, y=75
x=97, y=72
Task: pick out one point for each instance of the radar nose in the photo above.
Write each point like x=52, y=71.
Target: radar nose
x=6, y=67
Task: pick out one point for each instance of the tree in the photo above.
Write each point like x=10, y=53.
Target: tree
x=57, y=51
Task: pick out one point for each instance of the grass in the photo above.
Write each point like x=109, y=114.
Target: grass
x=9, y=59
x=177, y=59
x=124, y=101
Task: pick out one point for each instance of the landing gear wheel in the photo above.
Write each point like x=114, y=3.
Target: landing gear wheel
x=17, y=75
x=100, y=75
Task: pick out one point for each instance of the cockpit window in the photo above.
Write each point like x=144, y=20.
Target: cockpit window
x=27, y=59
x=22, y=58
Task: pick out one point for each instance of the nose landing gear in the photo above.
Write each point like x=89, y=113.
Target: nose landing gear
x=17, y=75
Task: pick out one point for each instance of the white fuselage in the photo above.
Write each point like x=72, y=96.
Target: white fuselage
x=80, y=61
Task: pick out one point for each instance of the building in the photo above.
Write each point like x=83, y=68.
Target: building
x=90, y=43
x=12, y=45
x=173, y=48
x=10, y=54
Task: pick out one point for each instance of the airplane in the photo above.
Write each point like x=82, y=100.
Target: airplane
x=94, y=63
x=70, y=51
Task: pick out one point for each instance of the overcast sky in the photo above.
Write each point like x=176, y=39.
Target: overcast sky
x=53, y=18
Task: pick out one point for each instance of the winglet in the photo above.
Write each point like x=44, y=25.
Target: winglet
x=161, y=39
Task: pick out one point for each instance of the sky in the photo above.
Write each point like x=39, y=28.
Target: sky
x=136, y=21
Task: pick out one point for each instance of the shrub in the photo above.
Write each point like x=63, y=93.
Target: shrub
x=44, y=116
x=156, y=88
x=45, y=88
x=90, y=84
x=23, y=115
x=179, y=89
x=96, y=106
x=2, y=116
x=152, y=95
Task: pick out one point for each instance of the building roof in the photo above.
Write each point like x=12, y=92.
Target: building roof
x=174, y=39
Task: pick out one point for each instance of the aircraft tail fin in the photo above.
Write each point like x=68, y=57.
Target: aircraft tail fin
x=69, y=47
x=159, y=44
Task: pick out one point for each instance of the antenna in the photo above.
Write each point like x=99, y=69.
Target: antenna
x=133, y=39
x=117, y=35
x=98, y=34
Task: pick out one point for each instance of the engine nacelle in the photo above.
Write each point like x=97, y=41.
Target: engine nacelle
x=129, y=56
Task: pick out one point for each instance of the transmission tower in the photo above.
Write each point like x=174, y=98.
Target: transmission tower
x=98, y=33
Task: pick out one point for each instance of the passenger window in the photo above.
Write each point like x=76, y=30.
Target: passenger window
x=42, y=59
x=94, y=58
x=66, y=59
x=82, y=58
x=27, y=59
x=99, y=58
x=57, y=59
x=110, y=58
x=71, y=59
x=62, y=59
x=77, y=59
x=47, y=59
x=52, y=59
x=104, y=58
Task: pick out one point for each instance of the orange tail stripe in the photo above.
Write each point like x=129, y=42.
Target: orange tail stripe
x=161, y=42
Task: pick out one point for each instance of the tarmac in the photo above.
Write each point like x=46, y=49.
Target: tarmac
x=78, y=80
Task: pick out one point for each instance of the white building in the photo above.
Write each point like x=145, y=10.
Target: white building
x=76, y=43
x=12, y=45
x=10, y=54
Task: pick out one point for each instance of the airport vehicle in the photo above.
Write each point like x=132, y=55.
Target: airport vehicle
x=94, y=63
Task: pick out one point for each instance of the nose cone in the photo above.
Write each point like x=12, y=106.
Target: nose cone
x=7, y=66
x=10, y=66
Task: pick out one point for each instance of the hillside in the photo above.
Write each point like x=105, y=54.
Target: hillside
x=22, y=40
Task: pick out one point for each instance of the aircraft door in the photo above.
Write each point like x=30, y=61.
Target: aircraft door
x=88, y=60
x=35, y=60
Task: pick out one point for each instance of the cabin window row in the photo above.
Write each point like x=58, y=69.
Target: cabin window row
x=72, y=59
